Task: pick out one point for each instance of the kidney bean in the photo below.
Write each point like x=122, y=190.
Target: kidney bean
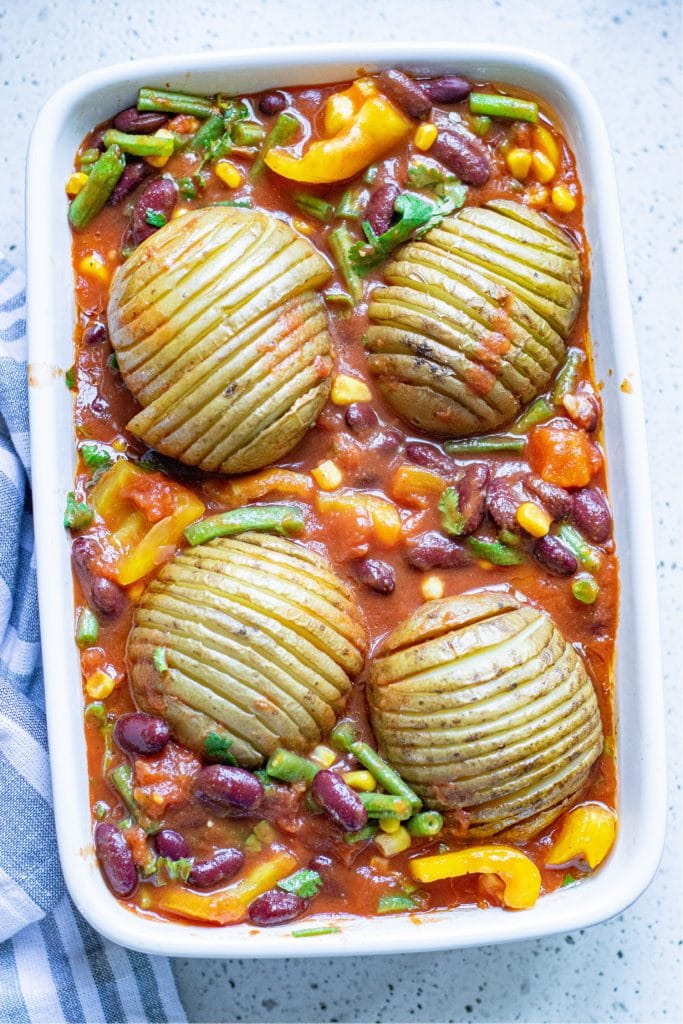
x=503, y=504
x=116, y=859
x=223, y=865
x=434, y=551
x=429, y=457
x=321, y=864
x=360, y=417
x=97, y=139
x=104, y=595
x=446, y=89
x=171, y=844
x=133, y=175
x=339, y=800
x=138, y=122
x=95, y=333
x=272, y=103
x=380, y=209
x=275, y=907
x=462, y=155
x=107, y=597
x=224, y=786
x=591, y=514
x=406, y=93
x=388, y=441
x=554, y=556
x=375, y=575
x=555, y=499
x=138, y=733
x=472, y=488
x=159, y=197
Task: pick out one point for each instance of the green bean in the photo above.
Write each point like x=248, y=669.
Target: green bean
x=481, y=125
x=494, y=551
x=343, y=737
x=87, y=628
x=483, y=445
x=352, y=204
x=427, y=823
x=586, y=554
x=210, y=131
x=359, y=837
x=97, y=189
x=307, y=933
x=247, y=133
x=585, y=588
x=88, y=157
x=288, y=767
x=122, y=778
x=340, y=241
x=174, y=102
x=314, y=206
x=538, y=412
x=342, y=300
x=282, y=519
x=492, y=105
x=284, y=129
x=394, y=904
x=385, y=805
x=139, y=145
x=568, y=375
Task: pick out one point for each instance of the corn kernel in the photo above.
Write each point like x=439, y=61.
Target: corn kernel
x=327, y=475
x=346, y=389
x=562, y=199
x=76, y=183
x=93, y=265
x=229, y=174
x=432, y=588
x=425, y=136
x=587, y=833
x=160, y=161
x=544, y=169
x=534, y=519
x=363, y=781
x=537, y=195
x=302, y=226
x=99, y=685
x=545, y=141
x=393, y=843
x=519, y=162
x=323, y=755
x=389, y=825
x=119, y=444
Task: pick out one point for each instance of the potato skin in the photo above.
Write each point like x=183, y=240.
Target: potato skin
x=262, y=641
x=222, y=337
x=482, y=705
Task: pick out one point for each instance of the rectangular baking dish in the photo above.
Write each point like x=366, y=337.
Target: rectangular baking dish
x=51, y=307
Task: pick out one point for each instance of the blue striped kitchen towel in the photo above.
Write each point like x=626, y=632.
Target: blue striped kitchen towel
x=53, y=966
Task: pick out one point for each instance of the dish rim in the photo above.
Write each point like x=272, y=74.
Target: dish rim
x=598, y=897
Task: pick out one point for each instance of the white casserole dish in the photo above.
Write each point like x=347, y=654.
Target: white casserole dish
x=641, y=771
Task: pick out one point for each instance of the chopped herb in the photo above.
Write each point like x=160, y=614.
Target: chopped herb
x=157, y=220
x=126, y=823
x=217, y=748
x=187, y=188
x=113, y=363
x=445, y=186
x=233, y=110
x=263, y=776
x=306, y=933
x=261, y=833
x=452, y=519
x=304, y=883
x=567, y=880
x=159, y=659
x=168, y=870
x=394, y=904
x=371, y=174
x=100, y=809
x=417, y=215
x=77, y=514
x=70, y=378
x=95, y=455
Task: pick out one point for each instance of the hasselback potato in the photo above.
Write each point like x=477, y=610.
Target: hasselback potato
x=261, y=641
x=481, y=705
x=471, y=325
x=222, y=338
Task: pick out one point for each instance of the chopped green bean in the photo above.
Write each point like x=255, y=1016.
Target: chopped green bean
x=481, y=125
x=284, y=129
x=395, y=904
x=340, y=300
x=493, y=105
x=352, y=204
x=247, y=133
x=306, y=933
x=359, y=837
x=167, y=102
x=210, y=131
x=483, y=445
x=88, y=157
x=370, y=174
x=427, y=823
x=282, y=519
x=97, y=189
x=340, y=242
x=122, y=778
x=538, y=412
x=494, y=551
x=288, y=767
x=314, y=206
x=586, y=554
x=385, y=805
x=568, y=375
x=139, y=145
x=87, y=628
x=585, y=588
x=77, y=514
x=343, y=737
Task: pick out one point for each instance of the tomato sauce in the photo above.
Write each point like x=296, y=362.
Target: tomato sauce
x=357, y=874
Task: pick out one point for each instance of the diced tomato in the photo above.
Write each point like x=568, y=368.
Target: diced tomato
x=155, y=496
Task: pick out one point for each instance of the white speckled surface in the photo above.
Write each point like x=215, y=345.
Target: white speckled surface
x=628, y=969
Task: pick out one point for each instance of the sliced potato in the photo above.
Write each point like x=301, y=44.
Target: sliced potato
x=261, y=641
x=471, y=325
x=222, y=337
x=481, y=705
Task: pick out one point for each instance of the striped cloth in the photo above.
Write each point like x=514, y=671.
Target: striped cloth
x=53, y=966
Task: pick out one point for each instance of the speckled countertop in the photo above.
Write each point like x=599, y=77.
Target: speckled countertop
x=629, y=54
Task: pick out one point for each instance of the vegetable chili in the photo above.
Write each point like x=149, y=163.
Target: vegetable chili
x=307, y=559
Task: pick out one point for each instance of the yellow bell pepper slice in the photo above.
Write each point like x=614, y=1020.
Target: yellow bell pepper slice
x=246, y=489
x=377, y=127
x=341, y=106
x=412, y=485
x=519, y=874
x=229, y=905
x=587, y=833
x=384, y=516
